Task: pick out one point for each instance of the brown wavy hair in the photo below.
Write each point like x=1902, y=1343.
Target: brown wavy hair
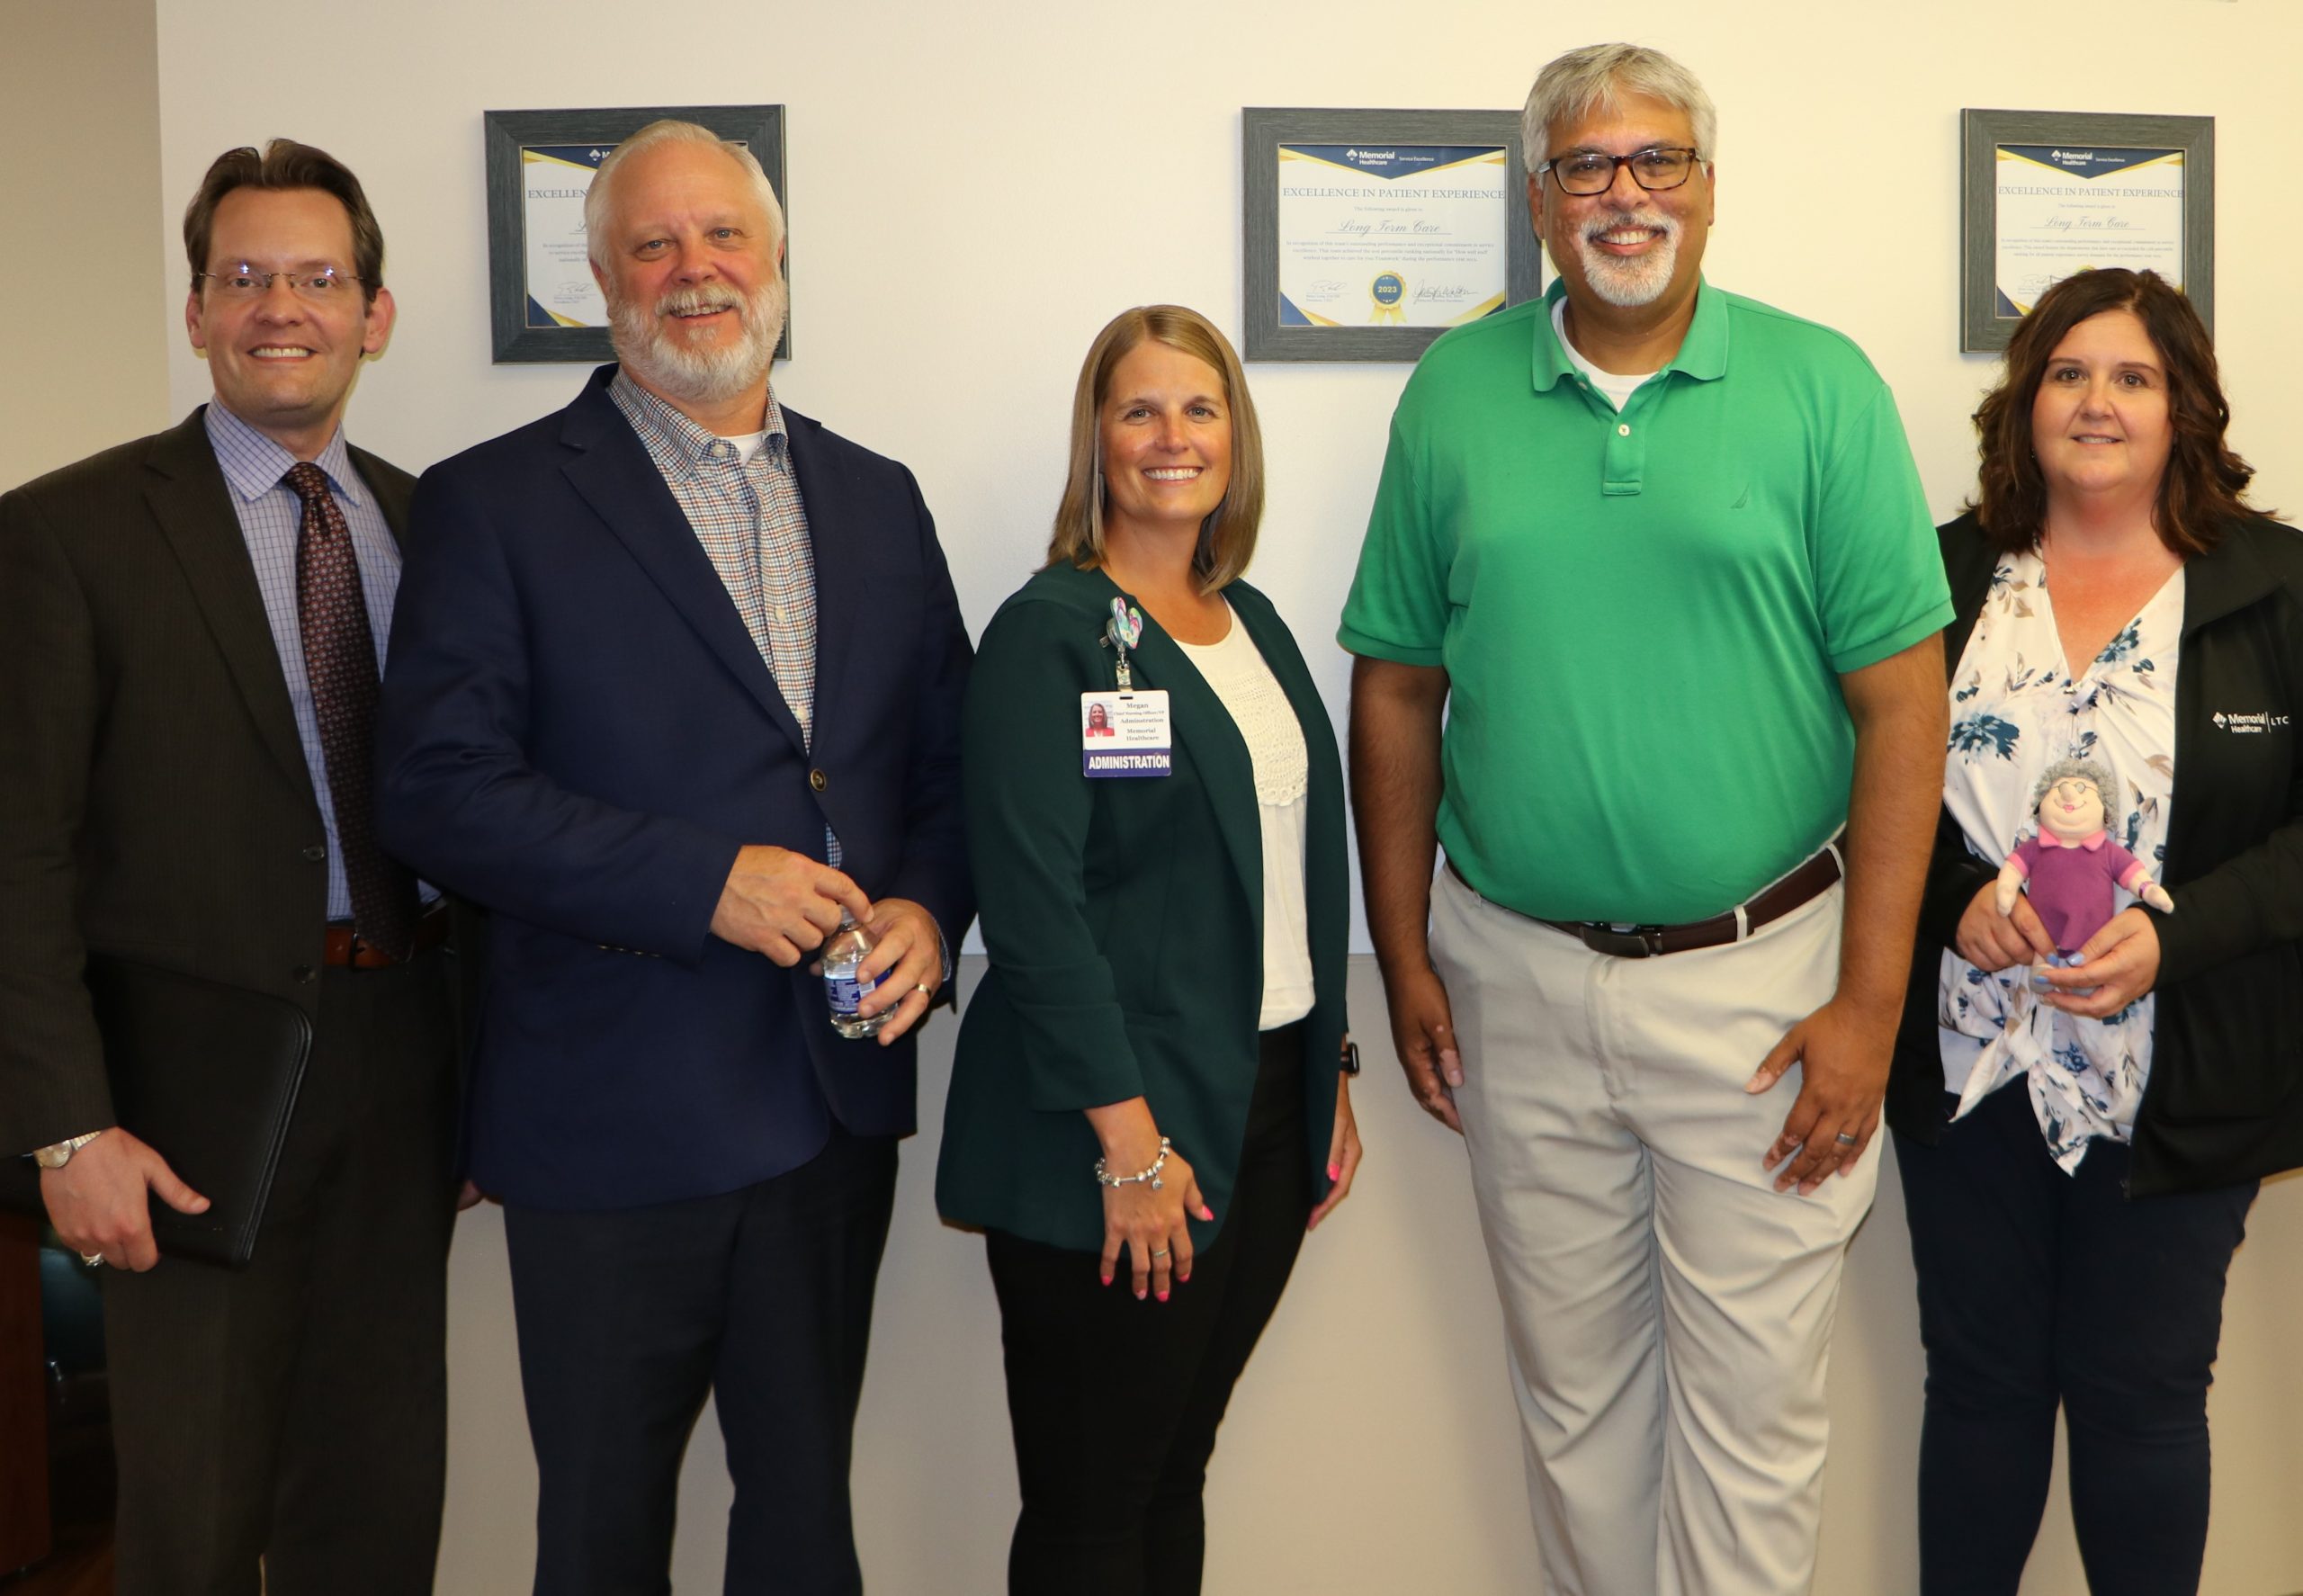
x=2205, y=481
x=1227, y=537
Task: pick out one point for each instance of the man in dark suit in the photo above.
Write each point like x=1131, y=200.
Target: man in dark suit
x=190, y=631
x=676, y=685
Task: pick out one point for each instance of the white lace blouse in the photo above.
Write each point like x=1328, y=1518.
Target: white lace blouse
x=2016, y=708
x=1235, y=668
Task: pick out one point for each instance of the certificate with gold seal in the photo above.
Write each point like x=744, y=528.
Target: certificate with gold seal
x=1385, y=234
x=1372, y=232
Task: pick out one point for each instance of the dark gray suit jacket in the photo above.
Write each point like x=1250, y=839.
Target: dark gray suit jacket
x=154, y=799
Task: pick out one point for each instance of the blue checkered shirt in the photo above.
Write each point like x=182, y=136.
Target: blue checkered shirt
x=271, y=520
x=749, y=515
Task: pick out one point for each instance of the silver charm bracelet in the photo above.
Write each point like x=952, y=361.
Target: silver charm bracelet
x=1104, y=1177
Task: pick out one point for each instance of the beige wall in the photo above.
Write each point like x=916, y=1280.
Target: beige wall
x=84, y=281
x=973, y=190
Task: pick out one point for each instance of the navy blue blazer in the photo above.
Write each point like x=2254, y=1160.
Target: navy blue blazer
x=578, y=732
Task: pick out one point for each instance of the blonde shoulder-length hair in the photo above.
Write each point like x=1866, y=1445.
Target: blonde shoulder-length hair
x=1227, y=538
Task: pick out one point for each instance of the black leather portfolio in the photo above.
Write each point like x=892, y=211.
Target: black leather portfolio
x=208, y=1074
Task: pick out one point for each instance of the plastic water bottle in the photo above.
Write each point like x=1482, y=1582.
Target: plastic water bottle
x=842, y=989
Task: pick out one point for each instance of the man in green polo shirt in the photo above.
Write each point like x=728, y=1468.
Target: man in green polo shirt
x=1661, y=555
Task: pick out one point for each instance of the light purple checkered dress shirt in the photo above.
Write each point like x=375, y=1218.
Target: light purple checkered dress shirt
x=271, y=519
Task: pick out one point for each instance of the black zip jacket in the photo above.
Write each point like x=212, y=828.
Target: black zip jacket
x=2225, y=1099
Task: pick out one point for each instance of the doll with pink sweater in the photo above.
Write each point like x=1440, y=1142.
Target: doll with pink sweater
x=2069, y=867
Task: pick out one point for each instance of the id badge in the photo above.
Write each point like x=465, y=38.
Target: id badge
x=1125, y=734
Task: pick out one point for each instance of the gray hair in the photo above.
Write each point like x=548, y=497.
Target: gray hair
x=2106, y=787
x=1597, y=77
x=598, y=200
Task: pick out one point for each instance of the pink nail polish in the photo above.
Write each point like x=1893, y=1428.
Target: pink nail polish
x=1163, y=1296
x=1335, y=1171
x=1108, y=1279
x=1206, y=1213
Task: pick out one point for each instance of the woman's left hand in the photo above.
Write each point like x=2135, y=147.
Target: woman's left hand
x=1343, y=1152
x=2120, y=961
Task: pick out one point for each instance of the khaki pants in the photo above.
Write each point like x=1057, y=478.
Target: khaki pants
x=1668, y=1313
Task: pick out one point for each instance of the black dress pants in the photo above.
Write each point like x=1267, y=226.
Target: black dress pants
x=296, y=1412
x=628, y=1318
x=1114, y=1403
x=2038, y=1289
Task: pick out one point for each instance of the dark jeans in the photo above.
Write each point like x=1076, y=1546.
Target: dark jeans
x=629, y=1318
x=2038, y=1289
x=1114, y=1403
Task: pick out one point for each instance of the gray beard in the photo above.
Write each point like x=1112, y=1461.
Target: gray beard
x=651, y=351
x=1629, y=284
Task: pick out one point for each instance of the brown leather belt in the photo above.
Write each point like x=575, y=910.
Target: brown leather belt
x=1771, y=903
x=343, y=949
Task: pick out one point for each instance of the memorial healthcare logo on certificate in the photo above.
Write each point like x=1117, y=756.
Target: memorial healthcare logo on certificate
x=1404, y=235
x=2065, y=209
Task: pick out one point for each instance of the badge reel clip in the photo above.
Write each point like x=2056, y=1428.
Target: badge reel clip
x=1121, y=633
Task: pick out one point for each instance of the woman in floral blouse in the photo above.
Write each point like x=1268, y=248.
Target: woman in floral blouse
x=2081, y=1131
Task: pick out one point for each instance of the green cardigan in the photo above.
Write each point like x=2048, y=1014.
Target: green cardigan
x=1124, y=920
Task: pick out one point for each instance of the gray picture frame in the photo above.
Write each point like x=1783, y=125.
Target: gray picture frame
x=1983, y=326
x=1264, y=129
x=504, y=133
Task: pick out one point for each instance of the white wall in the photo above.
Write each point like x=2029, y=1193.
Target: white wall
x=973, y=190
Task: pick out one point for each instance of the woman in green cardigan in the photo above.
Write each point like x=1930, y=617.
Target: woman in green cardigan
x=1148, y=1108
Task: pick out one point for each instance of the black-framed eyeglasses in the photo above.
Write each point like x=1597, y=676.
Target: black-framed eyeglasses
x=246, y=282
x=1592, y=172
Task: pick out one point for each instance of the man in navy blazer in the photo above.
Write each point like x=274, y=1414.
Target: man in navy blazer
x=675, y=684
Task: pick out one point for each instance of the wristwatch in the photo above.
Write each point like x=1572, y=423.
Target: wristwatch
x=58, y=1154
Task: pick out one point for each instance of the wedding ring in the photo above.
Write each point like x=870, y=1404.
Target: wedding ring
x=1845, y=1140
x=1160, y=1252
x=92, y=1259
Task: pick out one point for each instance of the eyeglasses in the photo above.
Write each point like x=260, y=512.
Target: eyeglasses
x=246, y=282
x=1591, y=171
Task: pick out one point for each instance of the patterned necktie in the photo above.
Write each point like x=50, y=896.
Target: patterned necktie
x=340, y=658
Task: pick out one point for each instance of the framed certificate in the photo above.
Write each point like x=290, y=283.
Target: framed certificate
x=542, y=303
x=1369, y=233
x=2046, y=193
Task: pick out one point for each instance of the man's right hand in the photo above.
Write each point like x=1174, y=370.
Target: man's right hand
x=783, y=904
x=1423, y=1031
x=96, y=1202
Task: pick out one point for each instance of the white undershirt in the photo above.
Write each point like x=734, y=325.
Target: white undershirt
x=747, y=443
x=1617, y=387
x=1235, y=668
